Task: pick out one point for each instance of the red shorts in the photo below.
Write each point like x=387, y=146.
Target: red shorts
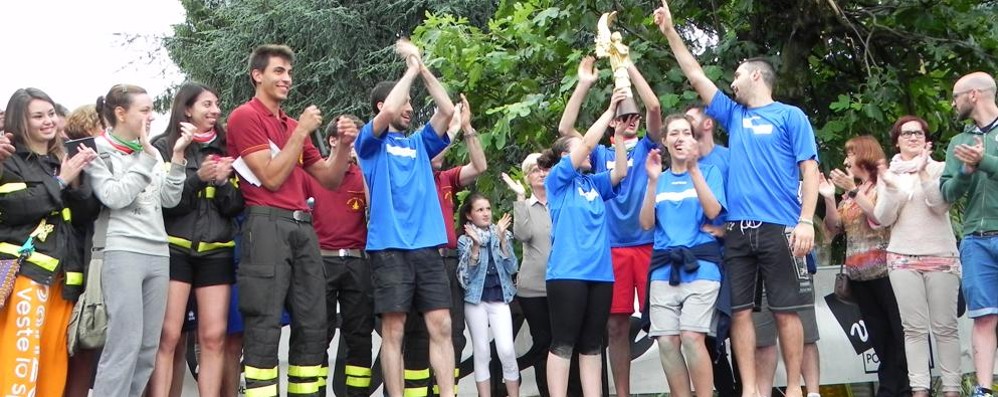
x=630, y=273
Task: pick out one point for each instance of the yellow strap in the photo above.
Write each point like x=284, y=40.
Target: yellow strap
x=44, y=261
x=74, y=278
x=209, y=192
x=353, y=370
x=353, y=381
x=13, y=187
x=204, y=247
x=263, y=374
x=262, y=391
x=416, y=374
x=303, y=388
x=457, y=373
x=300, y=371
x=67, y=215
x=235, y=181
x=414, y=392
x=182, y=243
x=324, y=371
x=321, y=381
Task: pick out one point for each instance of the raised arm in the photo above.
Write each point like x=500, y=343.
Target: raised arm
x=330, y=172
x=653, y=165
x=588, y=73
x=478, y=163
x=653, y=109
x=445, y=108
x=589, y=141
x=399, y=95
x=620, y=151
x=691, y=68
x=273, y=171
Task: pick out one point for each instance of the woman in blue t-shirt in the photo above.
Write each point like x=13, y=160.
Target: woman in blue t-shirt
x=579, y=274
x=485, y=269
x=685, y=277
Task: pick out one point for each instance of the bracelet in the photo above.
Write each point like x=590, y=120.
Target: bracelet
x=853, y=193
x=62, y=182
x=805, y=221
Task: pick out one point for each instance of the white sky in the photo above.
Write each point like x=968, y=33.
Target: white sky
x=79, y=54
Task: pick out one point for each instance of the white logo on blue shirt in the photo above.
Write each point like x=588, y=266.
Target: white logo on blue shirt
x=761, y=129
x=676, y=196
x=590, y=195
x=610, y=164
x=401, y=151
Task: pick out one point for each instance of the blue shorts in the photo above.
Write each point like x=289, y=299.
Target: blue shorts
x=979, y=258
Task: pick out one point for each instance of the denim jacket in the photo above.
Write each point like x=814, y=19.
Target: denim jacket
x=472, y=275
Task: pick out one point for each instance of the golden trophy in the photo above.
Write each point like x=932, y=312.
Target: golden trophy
x=610, y=45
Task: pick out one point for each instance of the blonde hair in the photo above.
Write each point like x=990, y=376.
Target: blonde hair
x=529, y=162
x=82, y=121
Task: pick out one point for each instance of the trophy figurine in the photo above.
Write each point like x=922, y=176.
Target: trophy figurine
x=610, y=45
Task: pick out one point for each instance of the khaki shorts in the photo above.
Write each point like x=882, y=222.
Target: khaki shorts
x=684, y=307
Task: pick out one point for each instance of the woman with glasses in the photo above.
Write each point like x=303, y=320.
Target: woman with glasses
x=922, y=256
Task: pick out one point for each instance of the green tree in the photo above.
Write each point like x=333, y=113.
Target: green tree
x=342, y=48
x=853, y=66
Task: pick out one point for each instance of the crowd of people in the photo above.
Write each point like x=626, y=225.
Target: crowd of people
x=249, y=227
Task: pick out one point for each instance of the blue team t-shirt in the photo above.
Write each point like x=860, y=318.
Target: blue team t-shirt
x=623, y=210
x=678, y=216
x=580, y=242
x=766, y=144
x=405, y=212
x=718, y=157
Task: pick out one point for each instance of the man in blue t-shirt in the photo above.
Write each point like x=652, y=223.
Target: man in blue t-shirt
x=630, y=245
x=406, y=225
x=769, y=231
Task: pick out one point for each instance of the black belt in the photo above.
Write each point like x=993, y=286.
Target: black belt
x=297, y=216
x=344, y=253
x=989, y=233
x=449, y=253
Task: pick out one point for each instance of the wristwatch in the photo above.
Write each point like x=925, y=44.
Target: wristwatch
x=852, y=193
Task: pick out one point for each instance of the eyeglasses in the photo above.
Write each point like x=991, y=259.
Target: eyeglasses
x=912, y=133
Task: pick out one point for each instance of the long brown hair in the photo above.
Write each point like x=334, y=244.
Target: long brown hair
x=867, y=153
x=16, y=121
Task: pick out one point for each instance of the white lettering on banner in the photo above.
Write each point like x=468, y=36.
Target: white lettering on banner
x=401, y=151
x=590, y=195
x=760, y=129
x=859, y=329
x=676, y=196
x=610, y=164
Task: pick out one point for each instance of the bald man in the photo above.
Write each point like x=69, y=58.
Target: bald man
x=971, y=170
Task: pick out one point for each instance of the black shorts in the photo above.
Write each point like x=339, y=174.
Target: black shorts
x=201, y=271
x=761, y=251
x=579, y=311
x=409, y=279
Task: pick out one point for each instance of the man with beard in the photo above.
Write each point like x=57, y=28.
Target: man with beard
x=769, y=232
x=406, y=223
x=971, y=164
x=281, y=263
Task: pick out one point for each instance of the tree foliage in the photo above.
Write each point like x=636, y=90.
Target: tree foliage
x=854, y=66
x=342, y=48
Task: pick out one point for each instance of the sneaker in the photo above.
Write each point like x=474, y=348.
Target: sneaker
x=980, y=392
